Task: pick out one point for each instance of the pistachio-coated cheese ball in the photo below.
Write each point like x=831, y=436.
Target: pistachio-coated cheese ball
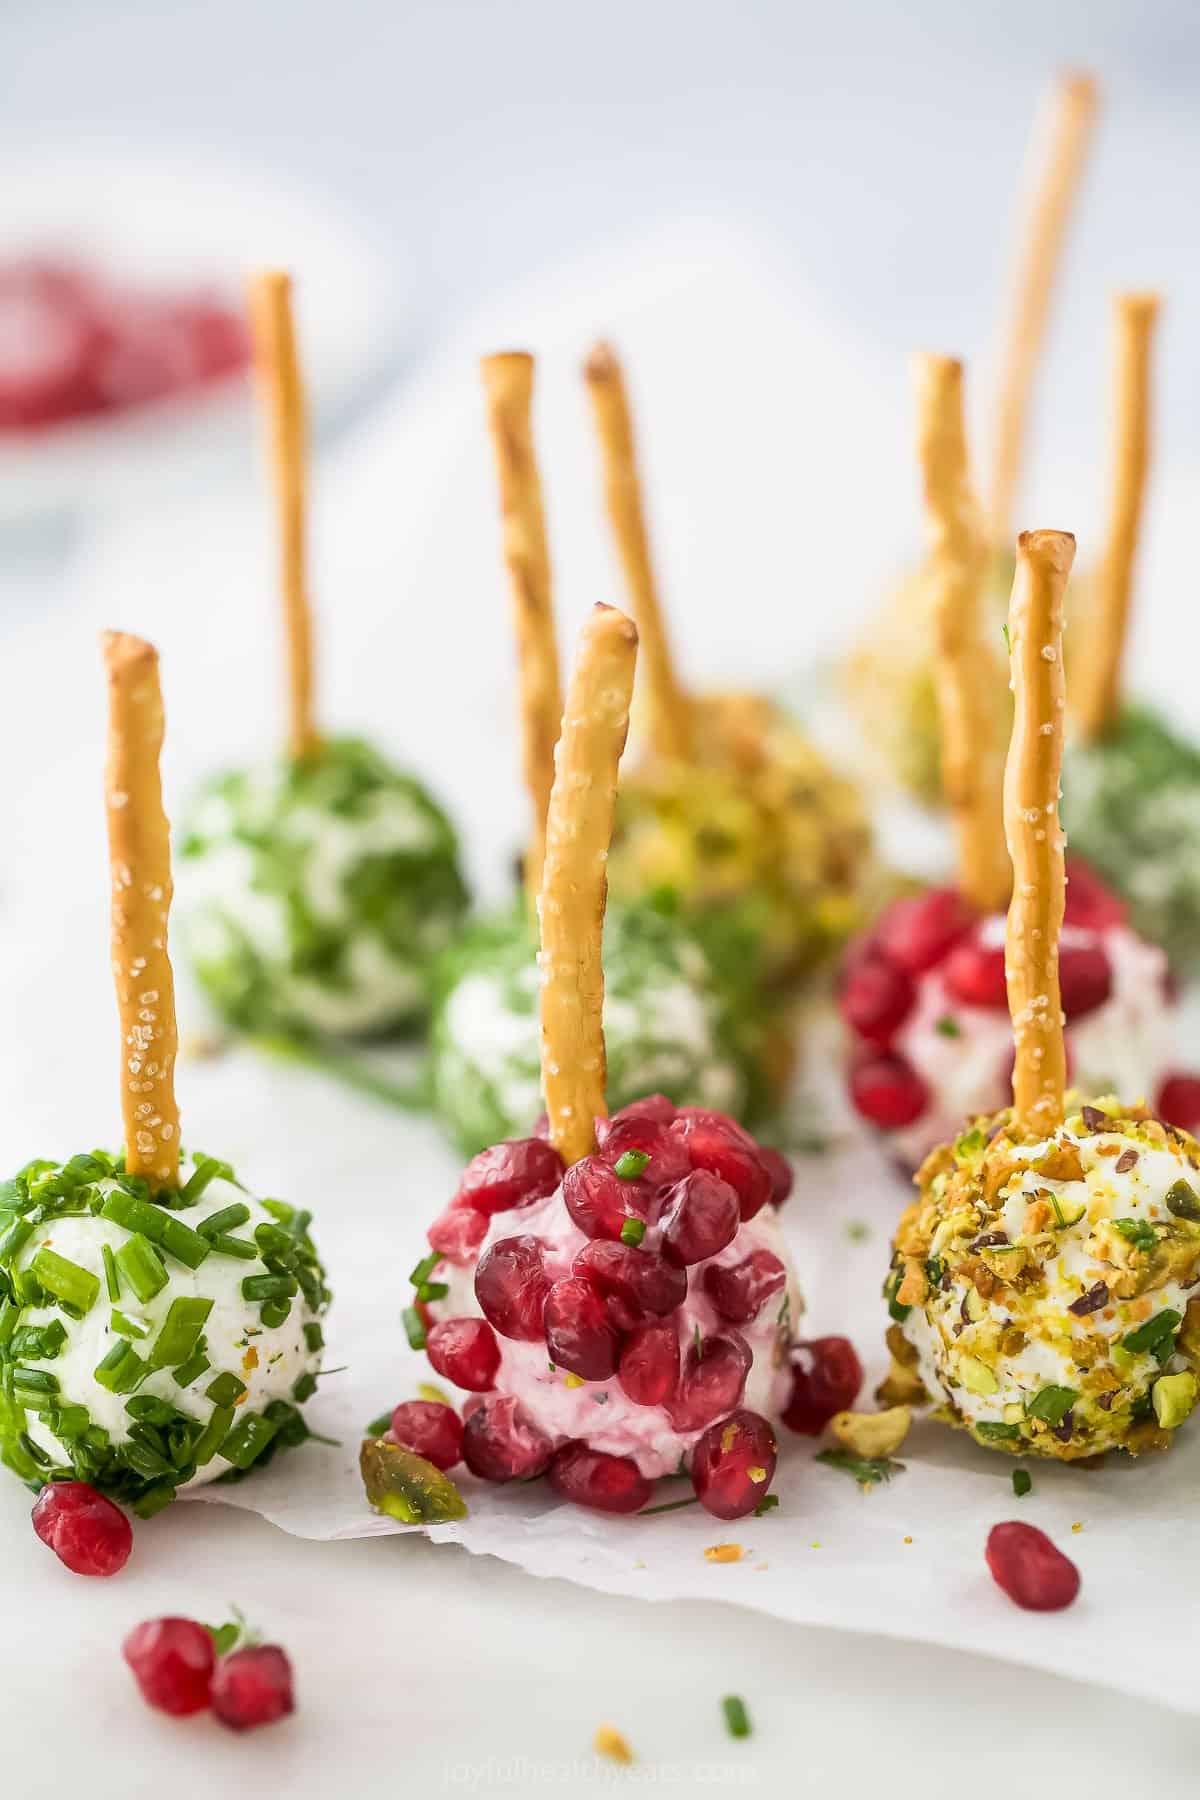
x=316, y=892
x=144, y=1346
x=1041, y=1288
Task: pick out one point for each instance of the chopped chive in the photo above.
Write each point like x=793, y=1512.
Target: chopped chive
x=433, y=1290
x=633, y=1230
x=207, y=1169
x=121, y=1370
x=995, y=1430
x=112, y=1280
x=35, y=1381
x=72, y=1286
x=648, y=1512
x=1052, y=1404
x=248, y=1439
x=274, y=1313
x=225, y=1389
x=948, y=1026
x=314, y=1337
x=425, y=1268
x=378, y=1426
x=41, y=1343
x=630, y=1165
x=154, y=1499
x=213, y=1436
x=160, y=1226
x=1138, y=1232
x=10, y=1312
x=225, y=1245
x=767, y=1504
x=181, y=1330
x=14, y=1236
x=196, y=1365
x=1156, y=1335
x=414, y=1327
x=268, y=1287
x=304, y=1387
x=130, y=1328
x=1022, y=1482
x=737, y=1719
x=228, y=1219
x=142, y=1267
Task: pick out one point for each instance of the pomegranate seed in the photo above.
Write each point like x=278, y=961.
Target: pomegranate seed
x=612, y=1484
x=701, y=1216
x=511, y=1174
x=711, y=1382
x=1084, y=977
x=1179, y=1101
x=783, y=1176
x=740, y=1290
x=715, y=1143
x=502, y=1443
x=457, y=1234
x=172, y=1661
x=465, y=1351
x=430, y=1430
x=646, y=1282
x=579, y=1332
x=511, y=1286
x=253, y=1687
x=917, y=934
x=1030, y=1569
x=649, y=1366
x=654, y=1106
x=876, y=999
x=826, y=1377
x=669, y=1161
x=887, y=1091
x=600, y=1202
x=732, y=1464
x=1090, y=902
x=83, y=1528
x=974, y=974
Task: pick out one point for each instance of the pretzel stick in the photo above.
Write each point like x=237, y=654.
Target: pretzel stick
x=1058, y=170
x=670, y=715
x=282, y=395
x=1031, y=822
x=508, y=386
x=139, y=858
x=1098, y=693
x=575, y=888
x=968, y=681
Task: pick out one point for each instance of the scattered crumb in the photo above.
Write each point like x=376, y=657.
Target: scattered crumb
x=816, y=1544
x=609, y=1742
x=250, y=1360
x=573, y=1381
x=857, y=1231
x=908, y=1540
x=203, y=1046
x=762, y=1565
x=427, y=1390
x=1078, y=1525
x=639, y=1564
x=724, y=1553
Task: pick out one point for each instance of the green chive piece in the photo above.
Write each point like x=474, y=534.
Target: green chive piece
x=213, y=1436
x=160, y=1226
x=41, y=1343
x=196, y=1365
x=268, y=1287
x=242, y=1248
x=414, y=1327
x=228, y=1219
x=10, y=1312
x=207, y=1169
x=154, y=1499
x=121, y=1370
x=737, y=1719
x=142, y=1267
x=1022, y=1482
x=995, y=1431
x=225, y=1389
x=1052, y=1404
x=274, y=1313
x=948, y=1026
x=633, y=1230
x=130, y=1328
x=378, y=1426
x=304, y=1387
x=1155, y=1336
x=72, y=1286
x=1139, y=1232
x=767, y=1504
x=112, y=1281
x=314, y=1337
x=13, y=1236
x=248, y=1439
x=34, y=1381
x=630, y=1165
x=425, y=1268
x=433, y=1290
x=181, y=1330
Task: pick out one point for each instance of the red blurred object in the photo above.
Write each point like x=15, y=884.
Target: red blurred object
x=1179, y=1101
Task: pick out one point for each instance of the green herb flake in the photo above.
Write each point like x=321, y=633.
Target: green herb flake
x=414, y=1327
x=630, y=1164
x=857, y=1231
x=995, y=1431
x=1052, y=1404
x=1138, y=1232
x=767, y=1504
x=737, y=1719
x=1156, y=1337
x=1022, y=1482
x=633, y=1230
x=74, y=1288
x=948, y=1026
x=868, y=1471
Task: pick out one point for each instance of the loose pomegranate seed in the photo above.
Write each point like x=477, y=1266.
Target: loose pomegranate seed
x=740, y=1290
x=649, y=1366
x=917, y=934
x=1090, y=902
x=719, y=1145
x=700, y=1217
x=783, y=1176
x=502, y=1443
x=83, y=1528
x=511, y=1285
x=876, y=999
x=253, y=1687
x=580, y=1335
x=710, y=1383
x=669, y=1160
x=511, y=1174
x=457, y=1234
x=600, y=1202
x=732, y=1464
x=612, y=1484
x=646, y=1282
x=887, y=1091
x=1179, y=1101
x=826, y=1377
x=1029, y=1568
x=1084, y=977
x=465, y=1351
x=46, y=344
x=974, y=974
x=430, y=1430
x=172, y=1661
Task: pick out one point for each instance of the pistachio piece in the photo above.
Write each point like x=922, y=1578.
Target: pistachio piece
x=872, y=1434
x=1174, y=1397
x=406, y=1487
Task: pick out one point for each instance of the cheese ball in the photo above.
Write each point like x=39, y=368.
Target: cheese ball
x=625, y=1319
x=145, y=1348
x=1131, y=803
x=316, y=893
x=758, y=827
x=1041, y=1292
x=677, y=1020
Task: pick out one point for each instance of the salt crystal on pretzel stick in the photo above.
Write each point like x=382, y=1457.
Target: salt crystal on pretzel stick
x=1031, y=822
x=508, y=386
x=969, y=701
x=670, y=713
x=277, y=368
x=1059, y=169
x=575, y=883
x=140, y=863
x=1097, y=697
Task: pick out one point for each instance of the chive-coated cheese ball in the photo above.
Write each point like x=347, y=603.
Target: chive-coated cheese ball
x=1041, y=1290
x=317, y=892
x=678, y=1020
x=144, y=1347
